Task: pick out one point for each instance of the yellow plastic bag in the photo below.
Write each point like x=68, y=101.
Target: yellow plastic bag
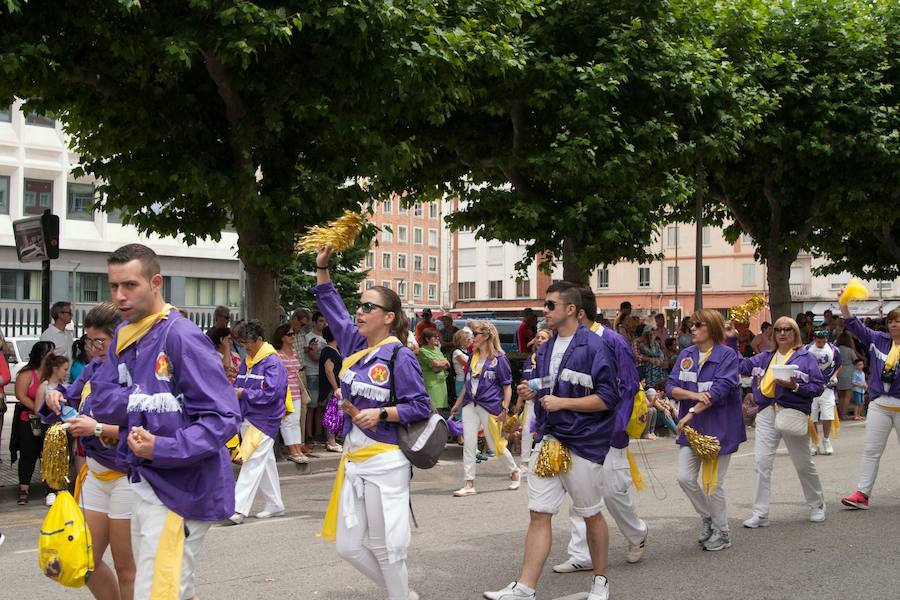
x=638, y=421
x=64, y=548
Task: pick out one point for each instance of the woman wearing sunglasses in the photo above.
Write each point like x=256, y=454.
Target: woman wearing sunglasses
x=705, y=382
x=484, y=402
x=372, y=505
x=773, y=394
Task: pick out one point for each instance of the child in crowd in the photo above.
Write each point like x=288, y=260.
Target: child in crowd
x=859, y=388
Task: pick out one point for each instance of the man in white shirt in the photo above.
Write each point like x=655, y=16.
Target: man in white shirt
x=61, y=313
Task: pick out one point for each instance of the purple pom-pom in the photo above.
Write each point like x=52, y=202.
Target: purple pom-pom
x=334, y=417
x=455, y=427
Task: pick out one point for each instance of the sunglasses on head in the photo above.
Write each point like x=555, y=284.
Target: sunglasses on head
x=783, y=330
x=368, y=307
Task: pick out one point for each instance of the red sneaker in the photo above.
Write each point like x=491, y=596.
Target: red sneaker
x=857, y=500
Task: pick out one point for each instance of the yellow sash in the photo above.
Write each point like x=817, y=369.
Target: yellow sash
x=169, y=555
x=358, y=356
x=767, y=385
x=702, y=358
x=102, y=476
x=495, y=430
x=131, y=333
x=250, y=441
x=636, y=476
x=893, y=356
x=709, y=474
x=329, y=525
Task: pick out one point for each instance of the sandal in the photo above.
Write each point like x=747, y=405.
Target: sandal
x=300, y=460
x=23, y=497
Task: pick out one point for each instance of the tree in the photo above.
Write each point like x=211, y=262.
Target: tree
x=811, y=159
x=298, y=278
x=200, y=114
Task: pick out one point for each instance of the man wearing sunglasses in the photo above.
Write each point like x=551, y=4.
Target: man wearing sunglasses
x=61, y=313
x=574, y=388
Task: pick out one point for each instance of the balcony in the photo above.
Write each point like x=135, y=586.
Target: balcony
x=800, y=290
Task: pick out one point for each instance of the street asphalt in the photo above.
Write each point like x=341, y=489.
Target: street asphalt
x=467, y=545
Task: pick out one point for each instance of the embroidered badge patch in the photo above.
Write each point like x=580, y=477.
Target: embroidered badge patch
x=163, y=368
x=687, y=363
x=379, y=374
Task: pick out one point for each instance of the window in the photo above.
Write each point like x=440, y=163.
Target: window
x=796, y=275
x=495, y=289
x=386, y=284
x=417, y=263
x=523, y=288
x=370, y=259
x=6, y=114
x=839, y=281
x=81, y=196
x=603, y=278
x=884, y=285
x=432, y=210
x=432, y=237
x=401, y=262
x=92, y=287
x=417, y=210
x=211, y=292
x=466, y=290
x=370, y=284
x=467, y=257
x=417, y=290
x=401, y=210
x=495, y=255
x=386, y=260
x=4, y=194
x=748, y=274
x=705, y=274
x=644, y=277
x=387, y=206
x=746, y=239
x=8, y=281
x=401, y=288
x=432, y=264
x=20, y=285
x=387, y=236
x=38, y=196
x=114, y=215
x=672, y=276
x=706, y=236
x=417, y=236
x=432, y=291
x=34, y=118
x=672, y=237
x=401, y=234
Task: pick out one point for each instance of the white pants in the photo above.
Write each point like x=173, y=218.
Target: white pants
x=114, y=498
x=527, y=436
x=583, y=482
x=474, y=417
x=767, y=440
x=620, y=504
x=364, y=544
x=879, y=423
x=259, y=472
x=823, y=406
x=709, y=507
x=147, y=521
x=290, y=428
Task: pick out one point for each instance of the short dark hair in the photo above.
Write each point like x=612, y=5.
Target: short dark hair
x=129, y=252
x=105, y=316
x=222, y=311
x=252, y=330
x=859, y=360
x=315, y=316
x=568, y=292
x=218, y=334
x=430, y=332
x=58, y=308
x=326, y=333
x=624, y=305
x=278, y=337
x=588, y=302
x=300, y=313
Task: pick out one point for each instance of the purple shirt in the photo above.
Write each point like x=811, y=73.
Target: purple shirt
x=587, y=368
x=879, y=344
x=495, y=374
x=718, y=376
x=628, y=383
x=171, y=382
x=265, y=388
x=808, y=376
x=367, y=384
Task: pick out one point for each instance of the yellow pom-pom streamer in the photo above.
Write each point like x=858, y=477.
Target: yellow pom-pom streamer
x=706, y=447
x=636, y=476
x=813, y=432
x=853, y=292
x=742, y=312
x=55, y=458
x=553, y=459
x=340, y=234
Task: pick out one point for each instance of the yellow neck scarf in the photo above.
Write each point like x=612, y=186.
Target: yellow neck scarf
x=475, y=369
x=893, y=356
x=767, y=385
x=133, y=332
x=265, y=351
x=703, y=357
x=595, y=327
x=358, y=356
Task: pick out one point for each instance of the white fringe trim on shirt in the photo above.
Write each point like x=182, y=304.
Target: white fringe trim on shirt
x=369, y=391
x=163, y=402
x=576, y=378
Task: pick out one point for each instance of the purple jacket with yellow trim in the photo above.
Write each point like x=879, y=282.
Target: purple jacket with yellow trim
x=265, y=388
x=808, y=376
x=495, y=374
x=879, y=344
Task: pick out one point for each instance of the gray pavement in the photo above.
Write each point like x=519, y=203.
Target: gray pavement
x=467, y=545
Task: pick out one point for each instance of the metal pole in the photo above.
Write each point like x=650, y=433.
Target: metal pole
x=45, y=295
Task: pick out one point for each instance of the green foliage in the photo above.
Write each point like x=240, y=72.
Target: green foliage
x=298, y=278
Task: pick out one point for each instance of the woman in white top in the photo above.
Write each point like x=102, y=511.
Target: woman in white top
x=461, y=341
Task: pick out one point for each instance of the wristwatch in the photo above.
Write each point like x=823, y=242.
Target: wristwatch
x=383, y=415
x=692, y=410
x=98, y=430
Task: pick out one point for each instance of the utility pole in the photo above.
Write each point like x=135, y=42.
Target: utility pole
x=698, y=220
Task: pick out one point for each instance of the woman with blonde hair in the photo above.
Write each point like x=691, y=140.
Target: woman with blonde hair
x=484, y=402
x=790, y=397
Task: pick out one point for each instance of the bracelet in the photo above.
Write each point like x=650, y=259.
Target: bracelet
x=318, y=268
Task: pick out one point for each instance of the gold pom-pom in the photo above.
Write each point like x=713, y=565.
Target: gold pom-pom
x=742, y=312
x=511, y=425
x=706, y=447
x=340, y=234
x=553, y=459
x=55, y=458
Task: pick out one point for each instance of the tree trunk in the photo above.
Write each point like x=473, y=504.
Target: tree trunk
x=572, y=272
x=778, y=273
x=262, y=296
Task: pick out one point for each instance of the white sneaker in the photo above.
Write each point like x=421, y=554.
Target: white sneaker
x=465, y=491
x=265, y=514
x=515, y=483
x=756, y=521
x=2, y=539
x=599, y=588
x=510, y=592
x=570, y=566
x=817, y=515
x=50, y=499
x=813, y=449
x=236, y=519
x=412, y=595
x=636, y=551
x=829, y=449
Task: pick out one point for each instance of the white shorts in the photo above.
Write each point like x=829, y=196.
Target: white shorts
x=583, y=482
x=114, y=498
x=823, y=406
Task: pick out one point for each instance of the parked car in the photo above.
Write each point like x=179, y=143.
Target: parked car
x=19, y=348
x=506, y=328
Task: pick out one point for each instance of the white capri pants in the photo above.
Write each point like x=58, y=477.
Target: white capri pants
x=259, y=472
x=115, y=498
x=823, y=406
x=583, y=482
x=879, y=423
x=291, y=434
x=473, y=417
x=767, y=440
x=709, y=507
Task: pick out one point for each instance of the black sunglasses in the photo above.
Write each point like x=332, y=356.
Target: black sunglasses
x=783, y=330
x=368, y=307
x=551, y=304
